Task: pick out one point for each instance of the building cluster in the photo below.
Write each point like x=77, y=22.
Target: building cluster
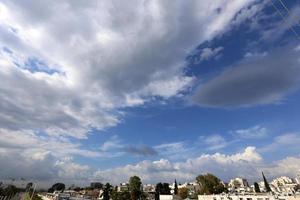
x=281, y=188
x=281, y=185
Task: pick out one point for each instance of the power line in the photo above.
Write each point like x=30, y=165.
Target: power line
x=284, y=18
x=287, y=9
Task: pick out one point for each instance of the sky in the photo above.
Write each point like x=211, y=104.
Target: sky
x=104, y=90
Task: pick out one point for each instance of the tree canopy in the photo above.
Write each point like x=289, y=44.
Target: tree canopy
x=183, y=192
x=57, y=187
x=107, y=191
x=135, y=187
x=162, y=188
x=175, y=188
x=210, y=184
x=123, y=195
x=256, y=187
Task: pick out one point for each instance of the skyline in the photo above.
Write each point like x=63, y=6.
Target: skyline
x=105, y=90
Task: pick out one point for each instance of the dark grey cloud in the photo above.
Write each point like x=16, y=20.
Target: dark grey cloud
x=260, y=79
x=141, y=151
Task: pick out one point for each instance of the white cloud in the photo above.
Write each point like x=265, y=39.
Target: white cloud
x=213, y=142
x=173, y=150
x=247, y=163
x=254, y=132
x=285, y=141
x=102, y=61
x=30, y=141
x=113, y=143
x=288, y=166
x=45, y=168
x=278, y=28
x=208, y=53
x=104, y=55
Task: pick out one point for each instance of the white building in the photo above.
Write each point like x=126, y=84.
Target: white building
x=239, y=185
x=297, y=179
x=262, y=187
x=168, y=197
x=148, y=188
x=283, y=184
x=123, y=187
x=192, y=187
x=247, y=197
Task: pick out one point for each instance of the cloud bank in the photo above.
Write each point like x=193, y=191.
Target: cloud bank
x=257, y=80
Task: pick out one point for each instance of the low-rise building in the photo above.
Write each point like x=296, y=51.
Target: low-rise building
x=123, y=187
x=262, y=196
x=169, y=197
x=192, y=187
x=148, y=188
x=297, y=179
x=284, y=185
x=239, y=185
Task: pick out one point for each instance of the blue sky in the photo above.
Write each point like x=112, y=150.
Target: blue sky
x=158, y=90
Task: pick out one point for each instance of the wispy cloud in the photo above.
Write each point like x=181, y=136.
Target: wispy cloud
x=287, y=141
x=141, y=150
x=213, y=142
x=255, y=132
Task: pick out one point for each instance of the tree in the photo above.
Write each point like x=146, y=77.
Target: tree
x=106, y=192
x=124, y=195
x=183, y=192
x=96, y=185
x=256, y=187
x=162, y=188
x=210, y=184
x=158, y=189
x=28, y=186
x=166, y=189
x=77, y=189
x=267, y=186
x=57, y=187
x=31, y=196
x=10, y=191
x=175, y=188
x=135, y=185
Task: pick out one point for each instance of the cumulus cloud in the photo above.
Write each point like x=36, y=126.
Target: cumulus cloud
x=31, y=141
x=45, y=168
x=68, y=68
x=247, y=163
x=254, y=81
x=284, y=141
x=288, y=166
x=42, y=168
